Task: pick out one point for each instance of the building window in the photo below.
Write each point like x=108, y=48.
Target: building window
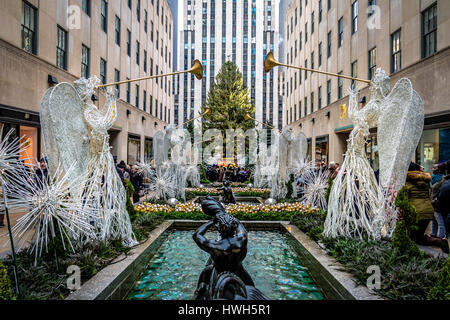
x=329, y=5
x=340, y=32
x=305, y=106
x=85, y=61
x=320, y=11
x=320, y=54
x=429, y=31
x=129, y=43
x=312, y=102
x=148, y=149
x=104, y=16
x=117, y=79
x=61, y=49
x=319, y=103
x=329, y=45
x=145, y=21
x=151, y=105
x=138, y=52
x=306, y=72
x=129, y=4
x=396, y=51
x=86, y=6
x=117, y=30
x=137, y=96
x=306, y=32
x=145, y=101
x=355, y=17
x=340, y=84
x=128, y=91
x=102, y=71
x=134, y=149
x=354, y=72
x=312, y=22
x=138, y=10
x=29, y=25
x=328, y=92
x=145, y=60
x=151, y=30
x=372, y=62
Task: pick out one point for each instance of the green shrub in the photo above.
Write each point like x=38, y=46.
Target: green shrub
x=402, y=241
x=241, y=215
x=5, y=284
x=441, y=289
x=130, y=208
x=330, y=185
x=408, y=221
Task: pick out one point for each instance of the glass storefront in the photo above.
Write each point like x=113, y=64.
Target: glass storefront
x=30, y=151
x=322, y=149
x=148, y=149
x=434, y=147
x=309, y=150
x=134, y=150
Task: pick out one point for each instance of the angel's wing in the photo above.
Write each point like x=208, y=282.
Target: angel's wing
x=64, y=129
x=400, y=127
x=300, y=148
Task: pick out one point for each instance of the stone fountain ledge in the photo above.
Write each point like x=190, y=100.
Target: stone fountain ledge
x=116, y=281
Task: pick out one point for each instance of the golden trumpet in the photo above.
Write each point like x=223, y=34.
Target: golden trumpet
x=248, y=117
x=207, y=111
x=270, y=63
x=196, y=70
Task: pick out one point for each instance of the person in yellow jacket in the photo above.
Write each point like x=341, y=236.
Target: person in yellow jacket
x=418, y=184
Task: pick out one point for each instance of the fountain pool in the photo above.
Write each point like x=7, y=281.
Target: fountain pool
x=173, y=272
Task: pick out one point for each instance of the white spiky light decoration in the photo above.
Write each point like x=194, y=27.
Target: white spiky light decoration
x=145, y=168
x=163, y=184
x=315, y=187
x=52, y=211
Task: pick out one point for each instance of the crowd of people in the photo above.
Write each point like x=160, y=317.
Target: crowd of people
x=134, y=176
x=232, y=172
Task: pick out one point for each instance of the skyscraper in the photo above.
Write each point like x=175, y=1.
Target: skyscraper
x=242, y=31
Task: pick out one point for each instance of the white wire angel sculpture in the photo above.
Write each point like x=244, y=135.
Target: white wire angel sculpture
x=357, y=203
x=74, y=128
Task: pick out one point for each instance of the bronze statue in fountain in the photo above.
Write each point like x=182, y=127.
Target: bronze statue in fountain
x=224, y=276
x=228, y=196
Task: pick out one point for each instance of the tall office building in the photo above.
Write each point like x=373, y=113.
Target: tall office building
x=242, y=31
